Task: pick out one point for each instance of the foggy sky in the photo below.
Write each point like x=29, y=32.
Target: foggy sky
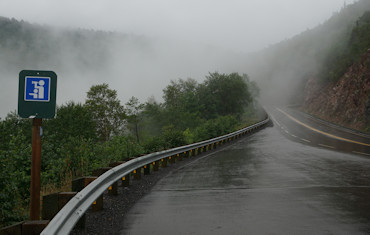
x=241, y=25
x=182, y=30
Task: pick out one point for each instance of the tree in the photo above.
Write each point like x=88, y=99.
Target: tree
x=72, y=120
x=222, y=95
x=107, y=112
x=133, y=110
x=181, y=104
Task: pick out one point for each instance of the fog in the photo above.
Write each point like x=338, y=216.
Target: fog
x=170, y=40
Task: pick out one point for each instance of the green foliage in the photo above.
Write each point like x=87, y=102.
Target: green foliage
x=223, y=95
x=216, y=127
x=15, y=167
x=106, y=110
x=72, y=120
x=11, y=127
x=181, y=104
x=172, y=137
x=348, y=51
x=153, y=144
x=169, y=138
x=120, y=148
x=133, y=111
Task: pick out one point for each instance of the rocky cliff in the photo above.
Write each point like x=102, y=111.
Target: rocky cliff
x=346, y=102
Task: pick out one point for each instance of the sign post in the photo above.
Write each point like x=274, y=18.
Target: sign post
x=36, y=100
x=35, y=169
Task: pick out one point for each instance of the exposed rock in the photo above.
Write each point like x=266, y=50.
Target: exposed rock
x=346, y=102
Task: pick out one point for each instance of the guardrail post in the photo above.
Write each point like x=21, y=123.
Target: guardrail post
x=113, y=189
x=172, y=159
x=164, y=162
x=53, y=203
x=156, y=166
x=147, y=169
x=137, y=174
x=125, y=180
x=80, y=183
x=34, y=226
x=179, y=157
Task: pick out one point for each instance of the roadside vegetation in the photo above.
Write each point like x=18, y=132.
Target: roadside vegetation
x=87, y=136
x=348, y=50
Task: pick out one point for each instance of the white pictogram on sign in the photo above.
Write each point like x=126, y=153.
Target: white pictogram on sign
x=38, y=92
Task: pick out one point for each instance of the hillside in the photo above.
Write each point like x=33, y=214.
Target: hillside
x=345, y=102
x=344, y=98
x=283, y=69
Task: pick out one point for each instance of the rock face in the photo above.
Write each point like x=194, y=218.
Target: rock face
x=346, y=102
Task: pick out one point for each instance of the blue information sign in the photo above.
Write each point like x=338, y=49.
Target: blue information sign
x=37, y=94
x=37, y=89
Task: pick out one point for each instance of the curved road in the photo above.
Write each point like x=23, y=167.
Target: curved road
x=285, y=179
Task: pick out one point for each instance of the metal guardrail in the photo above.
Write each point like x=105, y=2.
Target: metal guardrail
x=68, y=216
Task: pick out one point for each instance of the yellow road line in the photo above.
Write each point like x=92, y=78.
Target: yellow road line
x=321, y=132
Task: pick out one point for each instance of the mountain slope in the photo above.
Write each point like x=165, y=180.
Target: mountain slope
x=283, y=69
x=345, y=102
x=342, y=93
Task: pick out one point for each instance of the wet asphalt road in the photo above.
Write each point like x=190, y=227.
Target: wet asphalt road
x=285, y=179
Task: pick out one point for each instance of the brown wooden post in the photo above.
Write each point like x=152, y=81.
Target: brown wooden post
x=164, y=162
x=172, y=159
x=126, y=181
x=156, y=166
x=34, y=227
x=147, y=169
x=35, y=169
x=179, y=157
x=137, y=174
x=53, y=203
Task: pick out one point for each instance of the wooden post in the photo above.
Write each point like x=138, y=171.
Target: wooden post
x=155, y=166
x=35, y=169
x=147, y=169
x=137, y=174
x=126, y=181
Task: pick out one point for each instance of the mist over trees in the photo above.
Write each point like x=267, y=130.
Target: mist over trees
x=135, y=65
x=281, y=70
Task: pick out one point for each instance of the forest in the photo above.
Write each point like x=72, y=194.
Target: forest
x=87, y=136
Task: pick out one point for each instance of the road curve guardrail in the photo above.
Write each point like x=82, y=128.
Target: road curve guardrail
x=69, y=215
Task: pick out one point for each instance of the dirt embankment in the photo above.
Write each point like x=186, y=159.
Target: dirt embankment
x=346, y=102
